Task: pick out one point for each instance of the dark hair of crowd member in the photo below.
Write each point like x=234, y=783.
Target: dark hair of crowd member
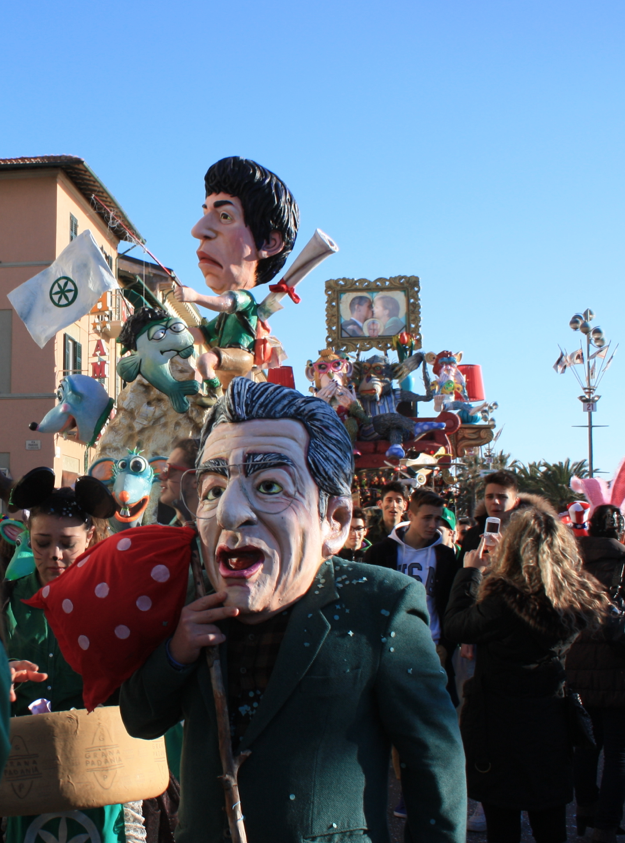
x=502, y=478
x=357, y=512
x=394, y=486
x=425, y=497
x=190, y=448
x=133, y=325
x=62, y=503
x=268, y=205
x=606, y=522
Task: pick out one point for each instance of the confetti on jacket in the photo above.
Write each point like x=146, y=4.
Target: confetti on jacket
x=117, y=603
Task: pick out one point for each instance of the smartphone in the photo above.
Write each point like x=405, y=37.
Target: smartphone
x=492, y=525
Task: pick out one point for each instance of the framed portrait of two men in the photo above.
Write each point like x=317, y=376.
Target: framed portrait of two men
x=363, y=314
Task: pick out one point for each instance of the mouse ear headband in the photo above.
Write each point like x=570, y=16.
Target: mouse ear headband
x=91, y=497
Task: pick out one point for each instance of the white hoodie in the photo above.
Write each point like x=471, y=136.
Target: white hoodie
x=421, y=566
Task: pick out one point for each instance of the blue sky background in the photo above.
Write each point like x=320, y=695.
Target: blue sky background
x=478, y=145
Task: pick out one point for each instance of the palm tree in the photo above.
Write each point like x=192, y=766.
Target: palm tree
x=552, y=480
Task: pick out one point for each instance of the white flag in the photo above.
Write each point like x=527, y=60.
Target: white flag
x=65, y=291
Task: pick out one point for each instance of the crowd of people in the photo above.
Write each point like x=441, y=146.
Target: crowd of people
x=521, y=621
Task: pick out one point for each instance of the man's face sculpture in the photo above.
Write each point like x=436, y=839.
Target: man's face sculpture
x=258, y=516
x=228, y=255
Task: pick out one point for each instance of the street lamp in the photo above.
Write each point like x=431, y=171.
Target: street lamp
x=595, y=364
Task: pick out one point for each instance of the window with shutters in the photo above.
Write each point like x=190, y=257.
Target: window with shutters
x=108, y=258
x=72, y=356
x=73, y=227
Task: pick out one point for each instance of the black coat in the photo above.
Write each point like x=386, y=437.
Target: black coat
x=594, y=667
x=513, y=721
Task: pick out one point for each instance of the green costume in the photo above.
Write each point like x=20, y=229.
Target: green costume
x=5, y=708
x=30, y=637
x=236, y=329
x=356, y=672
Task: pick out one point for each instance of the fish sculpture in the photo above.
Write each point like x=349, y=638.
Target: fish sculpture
x=131, y=479
x=153, y=337
x=83, y=408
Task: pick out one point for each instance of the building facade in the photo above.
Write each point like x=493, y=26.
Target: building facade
x=44, y=203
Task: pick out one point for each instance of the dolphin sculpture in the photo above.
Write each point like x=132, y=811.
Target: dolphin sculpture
x=84, y=406
x=154, y=337
x=131, y=479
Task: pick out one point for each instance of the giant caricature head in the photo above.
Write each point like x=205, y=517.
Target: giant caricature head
x=274, y=481
x=248, y=228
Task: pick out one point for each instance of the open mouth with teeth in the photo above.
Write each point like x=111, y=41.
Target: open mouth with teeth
x=239, y=562
x=131, y=513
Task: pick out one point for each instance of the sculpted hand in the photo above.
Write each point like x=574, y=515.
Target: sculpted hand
x=184, y=293
x=24, y=671
x=196, y=628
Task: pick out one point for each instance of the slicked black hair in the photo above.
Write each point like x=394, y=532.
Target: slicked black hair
x=268, y=205
x=139, y=319
x=330, y=458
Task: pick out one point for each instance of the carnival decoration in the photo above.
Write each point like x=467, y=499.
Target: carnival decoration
x=117, y=621
x=579, y=514
x=64, y=291
x=131, y=479
x=363, y=314
x=374, y=378
x=83, y=409
x=451, y=389
x=597, y=492
x=153, y=337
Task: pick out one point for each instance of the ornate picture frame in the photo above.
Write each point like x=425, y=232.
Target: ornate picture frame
x=355, y=324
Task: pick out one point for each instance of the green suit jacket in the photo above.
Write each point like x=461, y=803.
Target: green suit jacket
x=356, y=672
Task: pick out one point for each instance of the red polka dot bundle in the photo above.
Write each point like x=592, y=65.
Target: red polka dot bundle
x=117, y=603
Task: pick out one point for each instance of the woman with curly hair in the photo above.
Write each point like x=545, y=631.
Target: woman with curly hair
x=522, y=605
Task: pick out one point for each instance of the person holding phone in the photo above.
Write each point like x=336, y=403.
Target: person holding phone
x=521, y=598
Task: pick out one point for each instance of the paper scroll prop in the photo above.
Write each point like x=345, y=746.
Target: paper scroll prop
x=83, y=408
x=117, y=603
x=131, y=479
x=153, y=337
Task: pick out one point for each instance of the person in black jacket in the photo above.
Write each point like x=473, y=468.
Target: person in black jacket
x=356, y=545
x=595, y=668
x=523, y=616
x=415, y=547
x=501, y=496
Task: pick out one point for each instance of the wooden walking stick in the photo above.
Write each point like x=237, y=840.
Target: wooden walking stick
x=230, y=765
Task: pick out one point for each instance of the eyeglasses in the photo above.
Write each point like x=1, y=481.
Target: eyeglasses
x=358, y=529
x=169, y=467
x=270, y=490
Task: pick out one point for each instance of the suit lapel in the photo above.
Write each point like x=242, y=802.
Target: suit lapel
x=304, y=637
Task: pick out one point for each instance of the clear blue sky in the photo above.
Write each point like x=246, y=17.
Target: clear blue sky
x=478, y=145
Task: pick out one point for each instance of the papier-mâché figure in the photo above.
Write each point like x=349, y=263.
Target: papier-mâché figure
x=329, y=662
x=246, y=233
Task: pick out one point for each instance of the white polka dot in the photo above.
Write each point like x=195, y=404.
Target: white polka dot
x=160, y=573
x=82, y=561
x=123, y=544
x=68, y=606
x=45, y=591
x=122, y=631
x=101, y=590
x=83, y=642
x=144, y=603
